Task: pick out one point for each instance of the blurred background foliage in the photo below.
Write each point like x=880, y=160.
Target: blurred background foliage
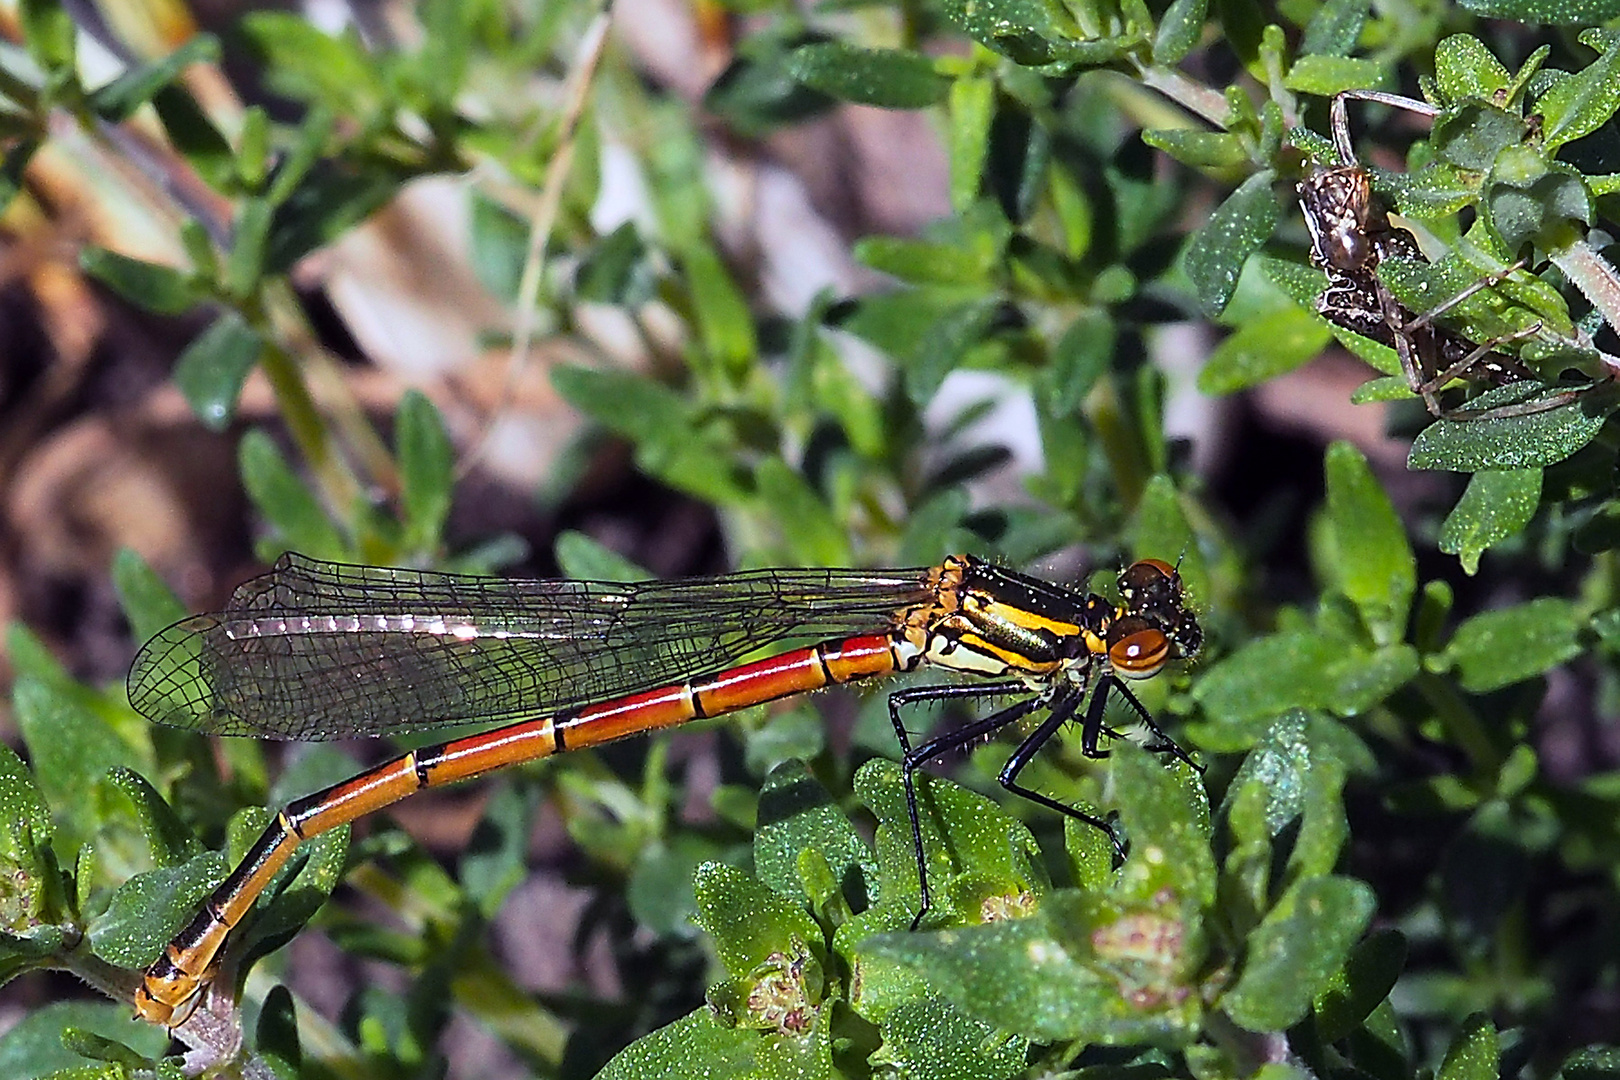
x=681, y=287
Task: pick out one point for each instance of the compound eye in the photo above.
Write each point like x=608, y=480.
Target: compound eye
x=1148, y=576
x=1138, y=653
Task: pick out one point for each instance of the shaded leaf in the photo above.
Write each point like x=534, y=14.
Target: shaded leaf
x=160, y=289
x=1373, y=559
x=1508, y=645
x=1361, y=985
x=1496, y=505
x=1579, y=105
x=117, y=100
x=1294, y=952
x=1515, y=442
x=887, y=78
x=426, y=470
x=1236, y=229
x=1262, y=349
x=215, y=366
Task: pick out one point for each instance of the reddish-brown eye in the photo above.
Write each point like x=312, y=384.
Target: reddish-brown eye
x=1139, y=654
x=1150, y=582
x=1158, y=564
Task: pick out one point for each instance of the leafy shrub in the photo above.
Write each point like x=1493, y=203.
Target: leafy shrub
x=1376, y=877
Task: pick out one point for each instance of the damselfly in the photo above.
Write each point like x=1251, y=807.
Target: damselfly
x=318, y=650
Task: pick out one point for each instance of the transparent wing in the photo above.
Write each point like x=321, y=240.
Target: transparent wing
x=316, y=650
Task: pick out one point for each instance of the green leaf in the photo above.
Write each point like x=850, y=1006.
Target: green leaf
x=1325, y=76
x=48, y=33
x=72, y=747
x=117, y=101
x=1579, y=105
x=299, y=890
x=88, y=1044
x=1591, y=1063
x=725, y=325
x=972, y=111
x=1179, y=31
x=1374, y=560
x=1300, y=780
x=324, y=204
x=659, y=892
x=698, y=1044
x=146, y=911
x=1167, y=812
x=303, y=62
x=1528, y=197
x=887, y=78
x=427, y=466
x=1081, y=968
x=167, y=837
x=1387, y=388
x=33, y=1047
x=1262, y=349
x=810, y=532
x=923, y=263
x=1030, y=32
x=1473, y=1054
x=1161, y=531
x=1334, y=29
x=942, y=347
x=1531, y=441
x=616, y=270
x=1080, y=357
x=1268, y=676
x=215, y=366
x=275, y=1035
x=498, y=240
x=585, y=559
x=1234, y=231
x=159, y=289
x=26, y=817
x=193, y=133
x=285, y=502
x=975, y=853
x=1438, y=190
x=1465, y=68
x=13, y=165
x=747, y=920
x=1359, y=680
x=795, y=813
x=1296, y=950
x=496, y=859
x=253, y=161
x=1361, y=985
x=30, y=887
x=1497, y=504
x=755, y=95
x=1544, y=12
x=1199, y=149
x=661, y=425
x=1508, y=645
x=148, y=602
x=250, y=237
x=933, y=1040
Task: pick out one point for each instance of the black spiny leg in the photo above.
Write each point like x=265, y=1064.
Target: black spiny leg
x=1093, y=725
x=1062, y=712
x=944, y=743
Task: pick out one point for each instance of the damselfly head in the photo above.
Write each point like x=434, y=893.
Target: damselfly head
x=1154, y=601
